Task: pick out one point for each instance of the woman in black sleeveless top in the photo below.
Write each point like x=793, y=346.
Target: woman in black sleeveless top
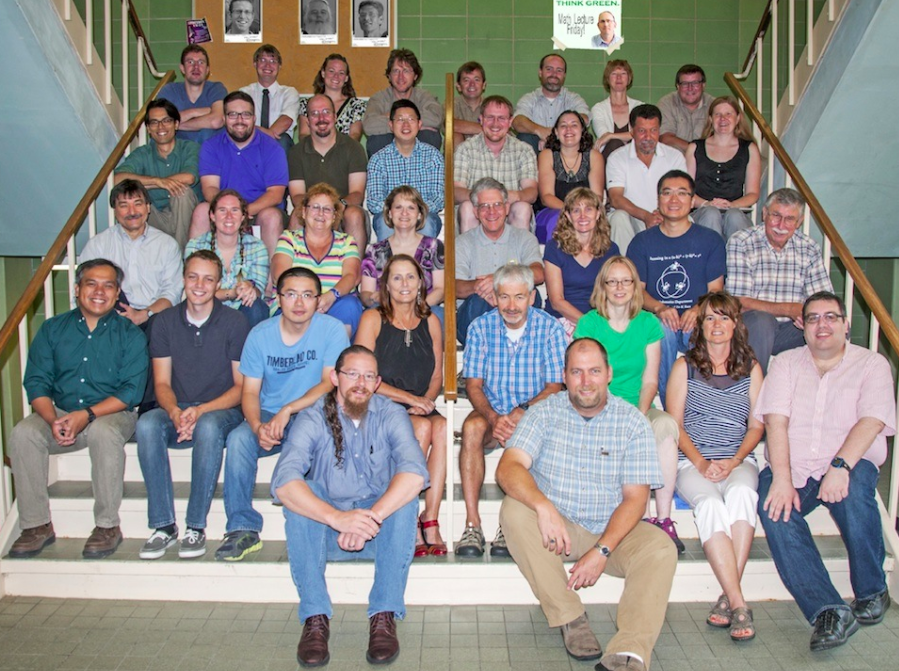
x=407, y=340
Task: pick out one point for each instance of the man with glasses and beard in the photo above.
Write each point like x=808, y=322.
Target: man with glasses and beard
x=250, y=162
x=349, y=480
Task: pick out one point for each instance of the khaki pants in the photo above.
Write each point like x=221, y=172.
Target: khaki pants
x=30, y=445
x=646, y=559
x=624, y=228
x=175, y=220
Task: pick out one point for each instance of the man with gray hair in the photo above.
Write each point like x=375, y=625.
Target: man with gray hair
x=480, y=251
x=772, y=270
x=514, y=359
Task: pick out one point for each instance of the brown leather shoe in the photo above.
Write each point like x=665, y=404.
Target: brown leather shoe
x=102, y=543
x=313, y=647
x=579, y=639
x=32, y=541
x=383, y=645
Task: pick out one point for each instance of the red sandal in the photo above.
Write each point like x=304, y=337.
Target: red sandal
x=436, y=549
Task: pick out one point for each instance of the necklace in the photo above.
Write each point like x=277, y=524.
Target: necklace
x=407, y=336
x=570, y=171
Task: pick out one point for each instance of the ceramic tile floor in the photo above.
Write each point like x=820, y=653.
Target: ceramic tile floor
x=47, y=634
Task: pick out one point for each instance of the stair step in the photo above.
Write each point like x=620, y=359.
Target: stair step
x=60, y=572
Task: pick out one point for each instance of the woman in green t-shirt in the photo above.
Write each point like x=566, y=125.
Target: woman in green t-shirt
x=632, y=337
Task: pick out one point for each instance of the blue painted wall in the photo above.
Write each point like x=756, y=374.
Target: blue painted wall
x=55, y=134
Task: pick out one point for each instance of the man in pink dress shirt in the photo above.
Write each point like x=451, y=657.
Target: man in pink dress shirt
x=828, y=408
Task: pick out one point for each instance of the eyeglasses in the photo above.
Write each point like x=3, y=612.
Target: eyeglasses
x=402, y=71
x=166, y=121
x=612, y=283
x=321, y=209
x=777, y=217
x=234, y=116
x=828, y=317
x=267, y=61
x=679, y=193
x=404, y=119
x=691, y=85
x=354, y=375
x=490, y=206
x=324, y=114
x=293, y=295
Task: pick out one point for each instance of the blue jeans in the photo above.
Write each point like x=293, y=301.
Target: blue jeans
x=673, y=343
x=240, y=474
x=257, y=312
x=156, y=434
x=798, y=560
x=311, y=544
x=431, y=228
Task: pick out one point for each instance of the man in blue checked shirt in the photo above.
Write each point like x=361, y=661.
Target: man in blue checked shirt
x=407, y=160
x=513, y=360
x=577, y=474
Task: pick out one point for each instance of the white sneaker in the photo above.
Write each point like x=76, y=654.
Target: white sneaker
x=158, y=543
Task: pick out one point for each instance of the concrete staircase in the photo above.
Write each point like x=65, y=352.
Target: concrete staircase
x=61, y=572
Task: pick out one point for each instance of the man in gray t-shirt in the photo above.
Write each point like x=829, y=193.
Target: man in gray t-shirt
x=482, y=250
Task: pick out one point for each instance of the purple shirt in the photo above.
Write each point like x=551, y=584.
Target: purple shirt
x=251, y=170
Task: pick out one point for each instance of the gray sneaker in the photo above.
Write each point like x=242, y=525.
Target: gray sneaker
x=472, y=542
x=158, y=542
x=193, y=544
x=498, y=546
x=237, y=545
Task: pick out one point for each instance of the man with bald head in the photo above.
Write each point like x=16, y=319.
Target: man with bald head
x=607, y=26
x=332, y=158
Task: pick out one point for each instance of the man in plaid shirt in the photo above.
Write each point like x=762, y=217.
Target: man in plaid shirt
x=577, y=474
x=405, y=161
x=772, y=270
x=513, y=360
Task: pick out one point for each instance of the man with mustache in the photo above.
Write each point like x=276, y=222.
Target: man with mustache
x=577, y=474
x=537, y=111
x=772, y=269
x=828, y=409
x=330, y=157
x=250, y=162
x=349, y=480
x=317, y=18
x=513, y=360
x=198, y=100
x=150, y=259
x=632, y=176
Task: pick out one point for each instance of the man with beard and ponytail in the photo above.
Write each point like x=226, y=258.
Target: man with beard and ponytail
x=349, y=479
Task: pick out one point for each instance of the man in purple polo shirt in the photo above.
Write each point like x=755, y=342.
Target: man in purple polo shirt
x=252, y=163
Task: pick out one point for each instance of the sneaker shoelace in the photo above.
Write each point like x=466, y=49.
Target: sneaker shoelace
x=159, y=534
x=192, y=537
x=471, y=536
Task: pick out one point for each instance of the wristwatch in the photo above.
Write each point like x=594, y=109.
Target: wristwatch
x=603, y=549
x=90, y=415
x=336, y=293
x=839, y=462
